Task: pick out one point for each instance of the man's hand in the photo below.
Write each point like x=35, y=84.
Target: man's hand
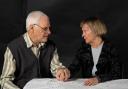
x=91, y=81
x=62, y=74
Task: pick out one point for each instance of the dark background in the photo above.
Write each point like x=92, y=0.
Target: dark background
x=65, y=17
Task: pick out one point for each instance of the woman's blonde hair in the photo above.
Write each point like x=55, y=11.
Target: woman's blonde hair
x=96, y=25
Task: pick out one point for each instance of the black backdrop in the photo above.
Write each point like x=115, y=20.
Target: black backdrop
x=65, y=16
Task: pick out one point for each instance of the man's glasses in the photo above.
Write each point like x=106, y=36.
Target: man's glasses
x=45, y=29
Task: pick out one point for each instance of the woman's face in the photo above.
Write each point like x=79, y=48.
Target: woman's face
x=88, y=35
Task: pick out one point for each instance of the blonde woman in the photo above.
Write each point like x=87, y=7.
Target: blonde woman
x=97, y=58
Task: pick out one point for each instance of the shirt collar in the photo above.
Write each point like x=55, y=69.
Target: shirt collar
x=28, y=41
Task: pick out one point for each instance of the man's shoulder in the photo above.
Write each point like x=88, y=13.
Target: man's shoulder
x=17, y=41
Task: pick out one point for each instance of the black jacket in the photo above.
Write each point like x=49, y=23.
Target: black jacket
x=108, y=65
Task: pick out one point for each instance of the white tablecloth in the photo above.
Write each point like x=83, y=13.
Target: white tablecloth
x=47, y=83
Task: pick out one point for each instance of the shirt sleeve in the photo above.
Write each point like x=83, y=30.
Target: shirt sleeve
x=9, y=68
x=55, y=63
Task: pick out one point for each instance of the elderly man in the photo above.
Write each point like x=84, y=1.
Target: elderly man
x=32, y=55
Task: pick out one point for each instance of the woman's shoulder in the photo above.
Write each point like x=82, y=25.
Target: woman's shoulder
x=109, y=43
x=110, y=46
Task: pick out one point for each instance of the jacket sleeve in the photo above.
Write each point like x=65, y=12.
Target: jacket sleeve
x=74, y=67
x=116, y=67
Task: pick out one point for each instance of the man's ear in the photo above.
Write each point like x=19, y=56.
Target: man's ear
x=30, y=27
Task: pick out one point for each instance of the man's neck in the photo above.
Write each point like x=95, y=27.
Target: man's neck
x=32, y=38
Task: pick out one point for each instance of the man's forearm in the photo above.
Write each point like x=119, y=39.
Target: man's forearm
x=8, y=85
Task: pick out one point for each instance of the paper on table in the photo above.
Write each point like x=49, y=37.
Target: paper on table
x=47, y=83
x=37, y=84
x=54, y=84
x=114, y=84
x=71, y=84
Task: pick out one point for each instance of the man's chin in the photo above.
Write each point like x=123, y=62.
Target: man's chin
x=44, y=40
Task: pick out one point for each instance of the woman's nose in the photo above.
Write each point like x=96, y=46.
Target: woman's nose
x=83, y=34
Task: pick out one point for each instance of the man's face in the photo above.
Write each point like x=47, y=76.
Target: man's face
x=41, y=31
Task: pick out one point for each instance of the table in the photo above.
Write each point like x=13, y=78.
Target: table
x=47, y=83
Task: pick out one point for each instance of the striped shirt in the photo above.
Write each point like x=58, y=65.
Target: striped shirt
x=9, y=67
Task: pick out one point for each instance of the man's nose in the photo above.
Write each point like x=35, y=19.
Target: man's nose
x=48, y=31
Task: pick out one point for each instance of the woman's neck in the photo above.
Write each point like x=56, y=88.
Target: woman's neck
x=96, y=42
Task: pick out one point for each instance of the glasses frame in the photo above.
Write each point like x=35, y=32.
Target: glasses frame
x=45, y=29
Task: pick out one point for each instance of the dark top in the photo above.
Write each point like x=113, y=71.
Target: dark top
x=108, y=65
